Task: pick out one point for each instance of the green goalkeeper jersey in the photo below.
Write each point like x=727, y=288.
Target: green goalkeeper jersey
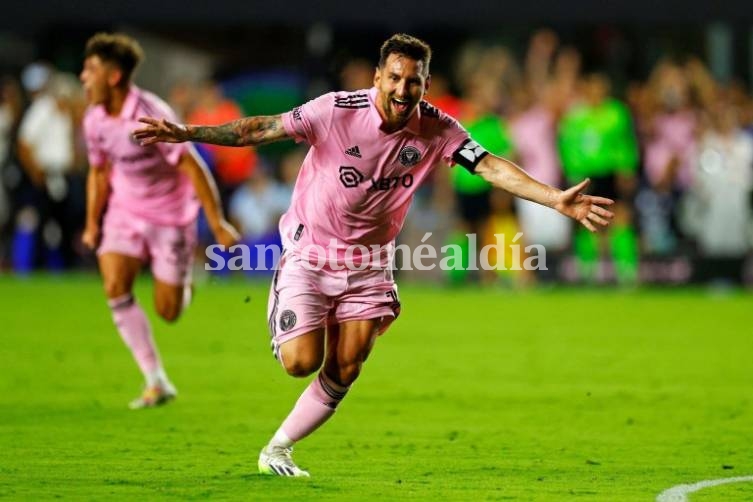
x=491, y=132
x=597, y=141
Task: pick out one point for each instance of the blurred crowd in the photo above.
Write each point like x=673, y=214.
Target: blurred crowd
x=674, y=150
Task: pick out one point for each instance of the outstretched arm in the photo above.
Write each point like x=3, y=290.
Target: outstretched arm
x=249, y=131
x=587, y=209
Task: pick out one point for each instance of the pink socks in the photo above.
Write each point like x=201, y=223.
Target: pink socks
x=313, y=408
x=136, y=332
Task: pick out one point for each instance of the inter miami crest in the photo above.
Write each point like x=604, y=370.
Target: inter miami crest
x=287, y=320
x=409, y=156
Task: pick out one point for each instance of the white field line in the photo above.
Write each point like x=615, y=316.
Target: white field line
x=680, y=493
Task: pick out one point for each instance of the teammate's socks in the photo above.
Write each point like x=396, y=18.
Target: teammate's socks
x=136, y=332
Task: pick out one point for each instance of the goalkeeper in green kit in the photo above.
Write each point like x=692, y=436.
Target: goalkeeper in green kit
x=596, y=140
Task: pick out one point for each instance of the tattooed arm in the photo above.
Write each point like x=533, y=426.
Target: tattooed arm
x=249, y=131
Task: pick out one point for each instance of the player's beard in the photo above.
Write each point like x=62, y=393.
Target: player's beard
x=395, y=116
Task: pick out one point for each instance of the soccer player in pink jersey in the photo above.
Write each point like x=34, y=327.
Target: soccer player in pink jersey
x=141, y=204
x=370, y=150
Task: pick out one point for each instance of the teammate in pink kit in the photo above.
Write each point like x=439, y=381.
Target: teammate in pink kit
x=141, y=204
x=370, y=150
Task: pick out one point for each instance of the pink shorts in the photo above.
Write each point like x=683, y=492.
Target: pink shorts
x=302, y=300
x=169, y=248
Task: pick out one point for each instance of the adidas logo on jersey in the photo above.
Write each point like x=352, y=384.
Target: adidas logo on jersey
x=353, y=151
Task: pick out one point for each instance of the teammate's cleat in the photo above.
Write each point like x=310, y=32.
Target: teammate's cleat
x=153, y=396
x=276, y=461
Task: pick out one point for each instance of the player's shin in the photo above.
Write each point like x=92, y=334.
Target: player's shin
x=315, y=406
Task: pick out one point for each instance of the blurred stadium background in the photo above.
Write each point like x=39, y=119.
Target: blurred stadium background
x=676, y=76
x=647, y=384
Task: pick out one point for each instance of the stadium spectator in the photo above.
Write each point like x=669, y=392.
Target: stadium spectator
x=47, y=152
x=597, y=141
x=719, y=202
x=150, y=200
x=669, y=136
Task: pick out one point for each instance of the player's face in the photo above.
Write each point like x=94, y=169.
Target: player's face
x=96, y=77
x=401, y=85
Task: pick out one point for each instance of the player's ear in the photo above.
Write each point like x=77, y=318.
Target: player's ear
x=427, y=84
x=114, y=77
x=377, y=76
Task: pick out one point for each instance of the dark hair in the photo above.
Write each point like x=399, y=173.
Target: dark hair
x=116, y=48
x=406, y=45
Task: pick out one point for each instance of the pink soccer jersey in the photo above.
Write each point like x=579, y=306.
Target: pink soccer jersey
x=144, y=181
x=357, y=182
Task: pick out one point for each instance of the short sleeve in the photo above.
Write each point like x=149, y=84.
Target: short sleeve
x=311, y=121
x=96, y=156
x=459, y=148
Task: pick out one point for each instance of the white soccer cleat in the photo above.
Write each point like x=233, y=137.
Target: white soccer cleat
x=154, y=396
x=277, y=461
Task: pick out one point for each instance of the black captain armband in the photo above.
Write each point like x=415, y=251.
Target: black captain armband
x=469, y=154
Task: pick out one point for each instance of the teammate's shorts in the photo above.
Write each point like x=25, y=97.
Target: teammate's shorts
x=169, y=248
x=302, y=300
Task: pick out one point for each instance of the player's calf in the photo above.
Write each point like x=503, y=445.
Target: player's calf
x=169, y=301
x=167, y=310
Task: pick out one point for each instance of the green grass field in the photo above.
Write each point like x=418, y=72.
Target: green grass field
x=472, y=395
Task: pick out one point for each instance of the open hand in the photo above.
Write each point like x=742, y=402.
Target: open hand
x=90, y=237
x=160, y=130
x=587, y=209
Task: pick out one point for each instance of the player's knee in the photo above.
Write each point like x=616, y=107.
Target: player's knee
x=168, y=310
x=115, y=288
x=346, y=374
x=301, y=365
